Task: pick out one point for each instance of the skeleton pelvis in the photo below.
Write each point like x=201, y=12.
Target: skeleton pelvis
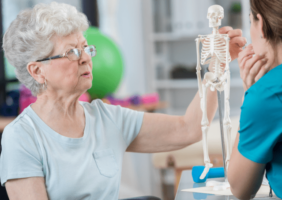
x=210, y=77
x=215, y=82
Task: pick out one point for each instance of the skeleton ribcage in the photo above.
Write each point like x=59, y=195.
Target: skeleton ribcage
x=214, y=54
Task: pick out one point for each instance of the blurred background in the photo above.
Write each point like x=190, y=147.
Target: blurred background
x=155, y=42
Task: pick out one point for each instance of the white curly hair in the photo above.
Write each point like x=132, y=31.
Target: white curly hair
x=28, y=38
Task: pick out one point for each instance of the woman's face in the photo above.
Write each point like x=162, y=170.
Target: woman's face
x=255, y=32
x=260, y=45
x=65, y=76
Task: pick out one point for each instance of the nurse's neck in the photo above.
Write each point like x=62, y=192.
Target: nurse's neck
x=273, y=56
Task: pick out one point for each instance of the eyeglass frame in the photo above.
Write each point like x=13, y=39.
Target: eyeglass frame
x=64, y=55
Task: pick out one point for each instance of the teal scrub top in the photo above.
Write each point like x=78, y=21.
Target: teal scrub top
x=261, y=126
x=83, y=168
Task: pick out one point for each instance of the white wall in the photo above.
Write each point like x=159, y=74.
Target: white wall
x=124, y=24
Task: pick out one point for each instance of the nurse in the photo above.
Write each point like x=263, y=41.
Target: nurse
x=258, y=145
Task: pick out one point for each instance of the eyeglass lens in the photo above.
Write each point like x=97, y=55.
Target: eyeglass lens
x=90, y=50
x=75, y=54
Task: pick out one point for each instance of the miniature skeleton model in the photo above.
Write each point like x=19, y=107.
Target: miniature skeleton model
x=215, y=52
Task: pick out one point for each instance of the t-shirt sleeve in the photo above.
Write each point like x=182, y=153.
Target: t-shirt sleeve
x=20, y=156
x=128, y=121
x=260, y=125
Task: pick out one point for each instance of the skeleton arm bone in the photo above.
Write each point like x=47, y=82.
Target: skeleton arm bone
x=198, y=68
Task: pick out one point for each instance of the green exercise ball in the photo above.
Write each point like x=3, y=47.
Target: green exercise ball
x=107, y=67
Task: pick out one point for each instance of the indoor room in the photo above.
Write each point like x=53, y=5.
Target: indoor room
x=140, y=99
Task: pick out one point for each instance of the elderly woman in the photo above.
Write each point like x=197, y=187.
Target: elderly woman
x=62, y=149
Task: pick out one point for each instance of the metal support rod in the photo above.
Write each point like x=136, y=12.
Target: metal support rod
x=222, y=134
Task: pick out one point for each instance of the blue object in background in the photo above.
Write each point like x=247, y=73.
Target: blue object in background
x=11, y=107
x=217, y=172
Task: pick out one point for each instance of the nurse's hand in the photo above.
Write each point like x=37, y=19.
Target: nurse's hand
x=237, y=41
x=252, y=67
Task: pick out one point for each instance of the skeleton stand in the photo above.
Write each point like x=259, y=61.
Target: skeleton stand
x=222, y=134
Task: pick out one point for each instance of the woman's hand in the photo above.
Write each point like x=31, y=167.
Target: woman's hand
x=237, y=42
x=252, y=67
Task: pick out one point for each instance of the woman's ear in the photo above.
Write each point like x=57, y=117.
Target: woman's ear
x=260, y=24
x=36, y=70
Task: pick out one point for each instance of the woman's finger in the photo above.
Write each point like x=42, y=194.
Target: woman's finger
x=249, y=79
x=250, y=63
x=243, y=62
x=235, y=33
x=262, y=72
x=257, y=67
x=240, y=41
x=225, y=29
x=245, y=71
x=247, y=51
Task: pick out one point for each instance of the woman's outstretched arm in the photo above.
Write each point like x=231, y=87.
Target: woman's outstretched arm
x=160, y=132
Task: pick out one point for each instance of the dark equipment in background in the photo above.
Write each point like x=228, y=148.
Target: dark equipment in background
x=9, y=101
x=3, y=193
x=90, y=9
x=11, y=107
x=183, y=72
x=2, y=66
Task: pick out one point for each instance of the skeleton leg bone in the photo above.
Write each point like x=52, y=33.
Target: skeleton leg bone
x=205, y=121
x=227, y=121
x=205, y=128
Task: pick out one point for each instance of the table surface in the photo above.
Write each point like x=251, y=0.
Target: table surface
x=186, y=182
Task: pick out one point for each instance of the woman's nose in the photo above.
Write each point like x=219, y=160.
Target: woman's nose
x=85, y=58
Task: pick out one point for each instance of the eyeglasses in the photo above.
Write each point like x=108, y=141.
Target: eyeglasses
x=74, y=54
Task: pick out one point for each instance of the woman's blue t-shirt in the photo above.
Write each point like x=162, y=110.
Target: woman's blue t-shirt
x=74, y=168
x=261, y=126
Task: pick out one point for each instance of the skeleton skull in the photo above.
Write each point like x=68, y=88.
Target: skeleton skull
x=215, y=15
